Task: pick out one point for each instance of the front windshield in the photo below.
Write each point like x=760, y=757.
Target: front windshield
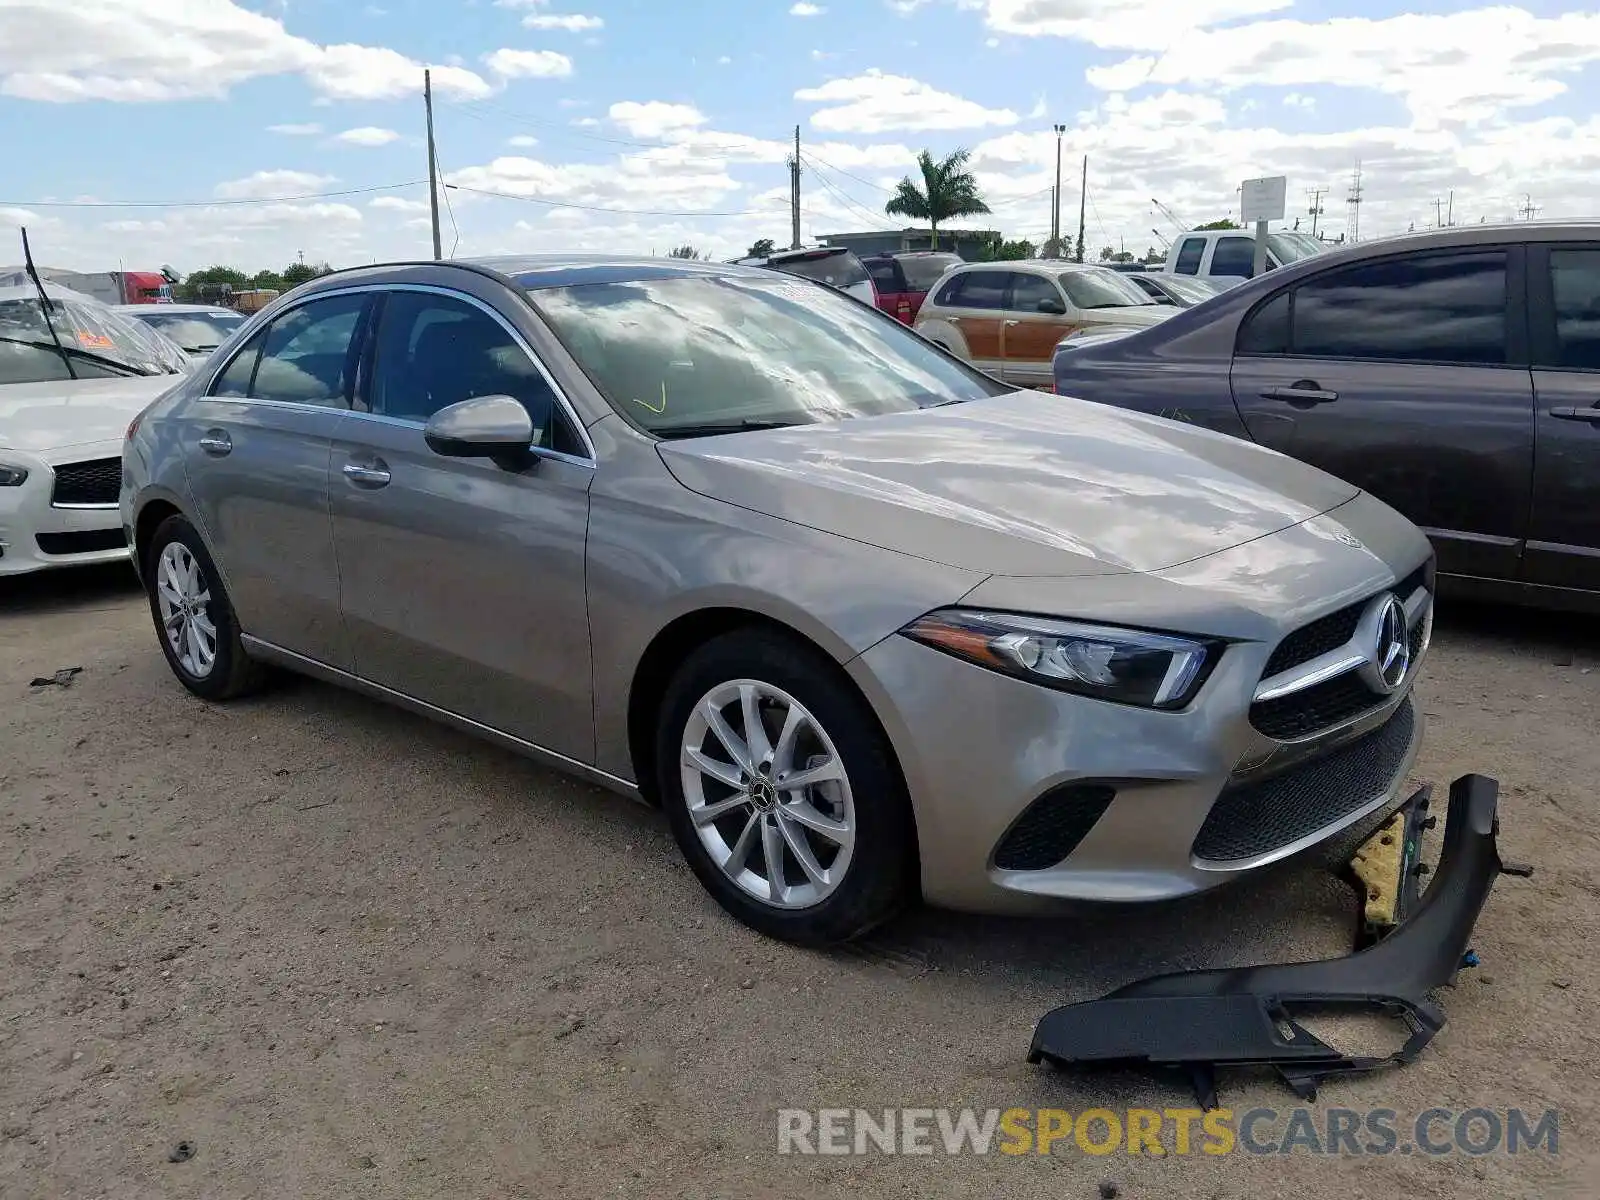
x=682, y=356
x=97, y=341
x=194, y=331
x=842, y=270
x=1288, y=247
x=1101, y=289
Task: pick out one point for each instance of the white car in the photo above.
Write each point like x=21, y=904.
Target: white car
x=197, y=328
x=66, y=401
x=835, y=266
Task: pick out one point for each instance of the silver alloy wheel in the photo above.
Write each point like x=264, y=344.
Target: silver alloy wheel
x=769, y=777
x=185, y=602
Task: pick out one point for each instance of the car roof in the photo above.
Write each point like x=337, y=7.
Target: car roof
x=175, y=308
x=537, y=271
x=1034, y=266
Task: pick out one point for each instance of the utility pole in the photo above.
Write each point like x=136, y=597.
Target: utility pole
x=433, y=163
x=1529, y=209
x=1450, y=208
x=794, y=193
x=1315, y=210
x=1055, y=196
x=1083, y=200
x=1438, y=212
x=1353, y=198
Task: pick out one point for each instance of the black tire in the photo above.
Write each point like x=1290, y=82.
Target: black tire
x=233, y=673
x=881, y=876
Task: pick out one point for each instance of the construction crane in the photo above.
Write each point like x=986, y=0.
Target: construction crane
x=1180, y=226
x=1166, y=242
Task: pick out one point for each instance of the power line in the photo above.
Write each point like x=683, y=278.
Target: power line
x=600, y=208
x=840, y=170
x=361, y=191
x=848, y=200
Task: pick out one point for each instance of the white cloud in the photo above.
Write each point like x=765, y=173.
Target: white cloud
x=804, y=9
x=310, y=129
x=18, y=216
x=1461, y=67
x=266, y=184
x=398, y=204
x=112, y=50
x=1296, y=100
x=367, y=135
x=566, y=22
x=654, y=118
x=723, y=60
x=522, y=141
x=529, y=64
x=1119, y=23
x=878, y=103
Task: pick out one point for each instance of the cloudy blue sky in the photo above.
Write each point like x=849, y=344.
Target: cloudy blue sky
x=290, y=126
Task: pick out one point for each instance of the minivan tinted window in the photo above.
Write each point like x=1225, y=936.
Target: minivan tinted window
x=978, y=289
x=1422, y=308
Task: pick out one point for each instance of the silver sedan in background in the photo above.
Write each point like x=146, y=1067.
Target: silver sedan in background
x=866, y=622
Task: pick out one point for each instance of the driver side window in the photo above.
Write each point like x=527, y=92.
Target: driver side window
x=433, y=351
x=1029, y=291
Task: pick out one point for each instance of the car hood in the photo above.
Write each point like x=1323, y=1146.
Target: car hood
x=1021, y=484
x=40, y=417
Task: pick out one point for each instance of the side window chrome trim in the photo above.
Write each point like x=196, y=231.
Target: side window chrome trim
x=562, y=402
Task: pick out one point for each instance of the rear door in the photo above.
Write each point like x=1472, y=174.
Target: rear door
x=1408, y=377
x=1564, y=309
x=1035, y=321
x=461, y=581
x=256, y=456
x=974, y=302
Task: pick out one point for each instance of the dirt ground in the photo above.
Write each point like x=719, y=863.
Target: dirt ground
x=345, y=952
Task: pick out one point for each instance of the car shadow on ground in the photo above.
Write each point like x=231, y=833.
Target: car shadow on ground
x=81, y=589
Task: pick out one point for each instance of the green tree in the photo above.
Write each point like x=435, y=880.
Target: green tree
x=212, y=280
x=761, y=248
x=998, y=249
x=297, y=273
x=683, y=251
x=267, y=279
x=948, y=190
x=1224, y=223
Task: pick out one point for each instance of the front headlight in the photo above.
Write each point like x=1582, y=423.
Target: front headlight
x=1127, y=666
x=12, y=476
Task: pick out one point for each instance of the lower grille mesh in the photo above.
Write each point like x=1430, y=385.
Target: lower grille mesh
x=1052, y=826
x=1252, y=819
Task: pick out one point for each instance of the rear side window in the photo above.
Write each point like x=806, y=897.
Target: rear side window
x=1575, y=284
x=309, y=356
x=1189, y=255
x=978, y=289
x=1234, y=256
x=922, y=271
x=884, y=276
x=1266, y=330
x=1434, y=308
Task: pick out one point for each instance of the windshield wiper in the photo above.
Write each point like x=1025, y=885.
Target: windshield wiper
x=712, y=428
x=75, y=352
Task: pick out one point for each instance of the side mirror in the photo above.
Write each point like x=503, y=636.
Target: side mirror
x=1054, y=307
x=496, y=427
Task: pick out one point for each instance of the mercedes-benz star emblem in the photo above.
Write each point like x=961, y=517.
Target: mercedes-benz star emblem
x=1391, y=655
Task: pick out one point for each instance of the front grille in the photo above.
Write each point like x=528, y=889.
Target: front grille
x=1332, y=631
x=1052, y=826
x=84, y=541
x=1252, y=819
x=95, y=482
x=1324, y=705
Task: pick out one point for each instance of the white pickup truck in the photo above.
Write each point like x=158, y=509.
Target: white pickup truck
x=1228, y=255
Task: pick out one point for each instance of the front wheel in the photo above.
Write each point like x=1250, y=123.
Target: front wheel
x=196, y=623
x=782, y=792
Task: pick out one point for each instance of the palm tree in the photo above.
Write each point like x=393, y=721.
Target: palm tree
x=948, y=190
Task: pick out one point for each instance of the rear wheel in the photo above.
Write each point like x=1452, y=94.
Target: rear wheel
x=782, y=792
x=193, y=616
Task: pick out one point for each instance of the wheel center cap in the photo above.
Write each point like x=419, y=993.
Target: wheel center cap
x=764, y=795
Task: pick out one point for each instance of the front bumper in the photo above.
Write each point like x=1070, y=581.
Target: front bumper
x=1144, y=787
x=35, y=535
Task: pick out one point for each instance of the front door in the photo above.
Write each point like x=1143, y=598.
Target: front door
x=1407, y=377
x=462, y=581
x=1035, y=321
x=257, y=450
x=1564, y=306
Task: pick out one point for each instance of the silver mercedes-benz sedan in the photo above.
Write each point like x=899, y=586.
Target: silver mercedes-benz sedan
x=865, y=622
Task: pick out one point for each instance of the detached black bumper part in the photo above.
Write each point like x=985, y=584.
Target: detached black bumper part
x=1239, y=1017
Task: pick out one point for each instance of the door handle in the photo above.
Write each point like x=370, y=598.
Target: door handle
x=1013, y=322
x=216, y=443
x=364, y=475
x=1303, y=391
x=1591, y=414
